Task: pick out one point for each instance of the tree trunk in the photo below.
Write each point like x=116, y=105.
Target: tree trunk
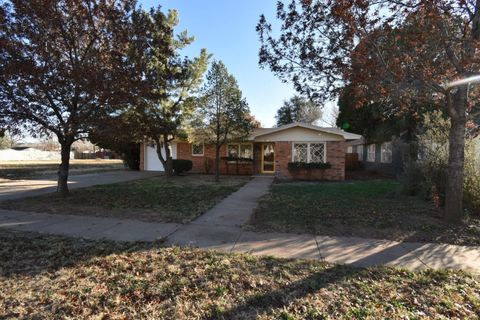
x=168, y=157
x=217, y=163
x=62, y=185
x=169, y=166
x=167, y=161
x=454, y=190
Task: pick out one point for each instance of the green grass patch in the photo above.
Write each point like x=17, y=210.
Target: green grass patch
x=43, y=277
x=159, y=199
x=371, y=209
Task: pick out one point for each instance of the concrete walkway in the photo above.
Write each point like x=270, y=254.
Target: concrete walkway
x=17, y=189
x=86, y=226
x=221, y=229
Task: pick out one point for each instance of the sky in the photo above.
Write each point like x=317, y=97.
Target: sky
x=227, y=30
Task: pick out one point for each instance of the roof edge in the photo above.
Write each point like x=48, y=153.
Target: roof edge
x=335, y=131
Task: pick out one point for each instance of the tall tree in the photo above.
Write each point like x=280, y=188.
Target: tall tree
x=165, y=81
x=223, y=114
x=361, y=120
x=117, y=133
x=298, y=109
x=374, y=120
x=60, y=67
x=403, y=51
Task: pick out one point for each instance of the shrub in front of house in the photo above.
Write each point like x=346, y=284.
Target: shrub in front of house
x=182, y=165
x=237, y=159
x=471, y=182
x=426, y=176
x=130, y=154
x=297, y=166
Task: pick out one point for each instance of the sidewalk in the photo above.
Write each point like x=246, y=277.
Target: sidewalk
x=86, y=226
x=220, y=229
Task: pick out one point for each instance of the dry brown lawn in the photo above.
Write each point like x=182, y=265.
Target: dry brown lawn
x=159, y=199
x=47, y=277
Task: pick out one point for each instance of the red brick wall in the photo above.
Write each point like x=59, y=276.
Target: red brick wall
x=257, y=156
x=283, y=155
x=184, y=151
x=335, y=156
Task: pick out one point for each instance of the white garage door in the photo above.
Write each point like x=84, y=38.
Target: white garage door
x=152, y=163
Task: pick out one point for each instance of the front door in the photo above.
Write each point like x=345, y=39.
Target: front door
x=268, y=158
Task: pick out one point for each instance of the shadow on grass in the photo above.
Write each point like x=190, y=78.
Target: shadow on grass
x=28, y=253
x=358, y=258
x=266, y=302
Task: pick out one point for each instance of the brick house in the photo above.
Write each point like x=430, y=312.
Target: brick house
x=266, y=151
x=386, y=157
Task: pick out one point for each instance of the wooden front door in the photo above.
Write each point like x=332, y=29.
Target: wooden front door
x=268, y=158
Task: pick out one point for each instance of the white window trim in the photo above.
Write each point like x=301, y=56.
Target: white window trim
x=382, y=151
x=374, y=152
x=198, y=154
x=349, y=149
x=238, y=145
x=308, y=150
x=360, y=154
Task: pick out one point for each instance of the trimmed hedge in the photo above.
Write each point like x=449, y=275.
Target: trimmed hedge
x=182, y=165
x=295, y=166
x=237, y=159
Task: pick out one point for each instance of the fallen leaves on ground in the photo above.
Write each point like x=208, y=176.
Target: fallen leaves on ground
x=54, y=277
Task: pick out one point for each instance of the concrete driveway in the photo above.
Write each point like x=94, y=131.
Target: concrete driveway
x=17, y=189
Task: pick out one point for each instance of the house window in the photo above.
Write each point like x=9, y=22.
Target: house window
x=386, y=152
x=233, y=150
x=309, y=152
x=350, y=149
x=317, y=152
x=240, y=150
x=246, y=151
x=300, y=152
x=360, y=152
x=197, y=149
x=371, y=153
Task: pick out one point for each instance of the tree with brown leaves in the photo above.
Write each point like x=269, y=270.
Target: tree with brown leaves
x=399, y=52
x=61, y=67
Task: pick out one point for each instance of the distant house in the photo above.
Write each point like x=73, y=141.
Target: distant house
x=266, y=151
x=385, y=157
x=388, y=156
